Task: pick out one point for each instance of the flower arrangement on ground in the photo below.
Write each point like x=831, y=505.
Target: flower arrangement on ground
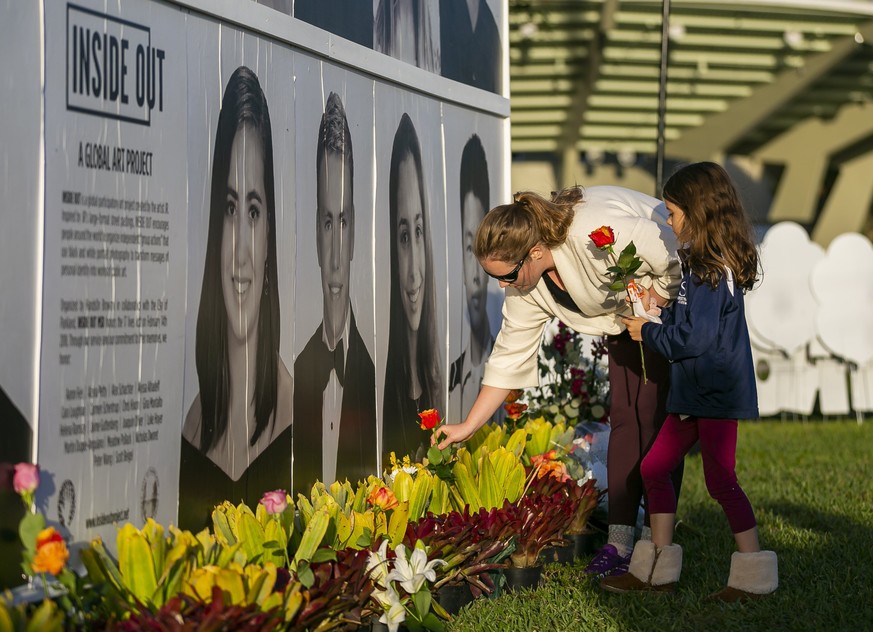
x=574, y=385
x=313, y=564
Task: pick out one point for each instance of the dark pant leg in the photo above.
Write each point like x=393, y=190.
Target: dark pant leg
x=718, y=449
x=636, y=412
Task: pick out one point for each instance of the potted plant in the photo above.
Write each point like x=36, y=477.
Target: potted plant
x=538, y=521
x=471, y=548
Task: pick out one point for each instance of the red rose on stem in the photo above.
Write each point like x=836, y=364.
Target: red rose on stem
x=603, y=238
x=624, y=266
x=430, y=419
x=515, y=409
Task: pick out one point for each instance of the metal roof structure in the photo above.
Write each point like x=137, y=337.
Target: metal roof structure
x=584, y=74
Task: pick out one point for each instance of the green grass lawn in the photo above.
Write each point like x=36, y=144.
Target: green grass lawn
x=810, y=485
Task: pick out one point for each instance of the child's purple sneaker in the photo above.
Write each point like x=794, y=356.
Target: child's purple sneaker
x=607, y=562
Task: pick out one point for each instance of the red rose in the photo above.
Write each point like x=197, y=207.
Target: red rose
x=430, y=419
x=514, y=410
x=603, y=237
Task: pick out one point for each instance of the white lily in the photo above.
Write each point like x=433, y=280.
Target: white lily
x=377, y=565
x=394, y=613
x=412, y=570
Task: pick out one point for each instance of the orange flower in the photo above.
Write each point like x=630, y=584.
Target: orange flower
x=430, y=419
x=515, y=410
x=603, y=237
x=51, y=552
x=383, y=498
x=553, y=468
x=551, y=455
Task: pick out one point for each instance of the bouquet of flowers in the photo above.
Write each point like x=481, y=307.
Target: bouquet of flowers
x=574, y=384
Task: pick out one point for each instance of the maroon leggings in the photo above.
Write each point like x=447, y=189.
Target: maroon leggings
x=636, y=411
x=718, y=447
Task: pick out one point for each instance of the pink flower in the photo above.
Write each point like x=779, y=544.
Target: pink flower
x=275, y=502
x=26, y=478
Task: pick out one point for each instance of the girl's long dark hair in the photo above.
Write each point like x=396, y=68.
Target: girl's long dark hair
x=716, y=230
x=243, y=104
x=429, y=369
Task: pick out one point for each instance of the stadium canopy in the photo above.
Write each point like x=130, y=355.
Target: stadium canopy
x=584, y=74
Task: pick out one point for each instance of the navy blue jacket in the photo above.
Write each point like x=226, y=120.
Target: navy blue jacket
x=705, y=338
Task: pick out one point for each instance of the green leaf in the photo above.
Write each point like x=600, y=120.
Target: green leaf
x=421, y=492
x=47, y=618
x=434, y=455
x=489, y=491
x=221, y=526
x=170, y=583
x=421, y=599
x=617, y=286
x=431, y=622
x=467, y=486
x=305, y=574
x=365, y=539
x=312, y=536
x=402, y=485
x=29, y=527
x=398, y=523
x=324, y=554
x=251, y=535
x=107, y=567
x=136, y=563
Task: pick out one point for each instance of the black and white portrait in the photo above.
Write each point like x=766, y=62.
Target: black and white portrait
x=335, y=393
x=413, y=373
x=236, y=437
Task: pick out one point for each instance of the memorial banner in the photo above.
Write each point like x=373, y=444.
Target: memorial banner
x=115, y=259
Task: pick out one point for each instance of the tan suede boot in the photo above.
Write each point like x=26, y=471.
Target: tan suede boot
x=651, y=569
x=752, y=576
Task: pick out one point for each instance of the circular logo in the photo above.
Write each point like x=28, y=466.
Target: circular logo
x=149, y=495
x=66, y=503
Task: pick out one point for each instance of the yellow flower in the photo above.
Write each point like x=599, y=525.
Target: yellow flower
x=51, y=552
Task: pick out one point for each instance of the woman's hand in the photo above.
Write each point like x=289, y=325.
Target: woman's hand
x=490, y=398
x=451, y=433
x=634, y=326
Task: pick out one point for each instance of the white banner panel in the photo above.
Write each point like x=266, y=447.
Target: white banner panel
x=114, y=277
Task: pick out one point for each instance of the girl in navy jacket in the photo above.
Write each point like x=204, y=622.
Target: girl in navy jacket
x=704, y=336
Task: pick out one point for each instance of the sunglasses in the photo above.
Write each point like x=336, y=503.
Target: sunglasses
x=512, y=275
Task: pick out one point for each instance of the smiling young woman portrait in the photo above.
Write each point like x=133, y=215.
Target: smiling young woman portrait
x=244, y=402
x=413, y=366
